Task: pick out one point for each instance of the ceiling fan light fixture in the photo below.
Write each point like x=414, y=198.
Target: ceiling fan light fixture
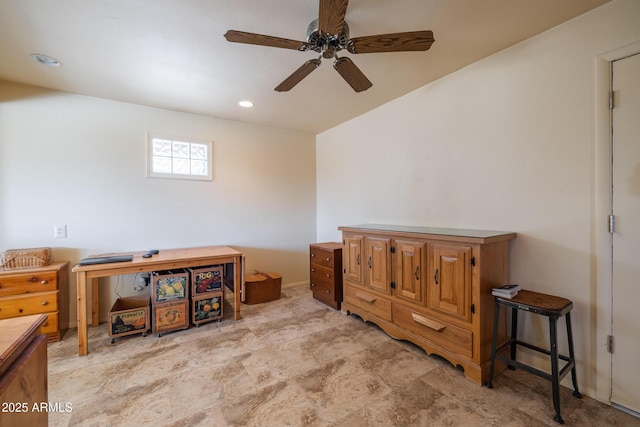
x=328, y=35
x=245, y=104
x=45, y=60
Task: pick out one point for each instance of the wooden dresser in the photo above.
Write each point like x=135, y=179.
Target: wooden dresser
x=429, y=286
x=23, y=371
x=38, y=290
x=325, y=265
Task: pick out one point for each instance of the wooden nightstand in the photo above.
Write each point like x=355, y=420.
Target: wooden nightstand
x=325, y=266
x=36, y=290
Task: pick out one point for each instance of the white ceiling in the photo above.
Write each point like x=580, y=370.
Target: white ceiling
x=172, y=53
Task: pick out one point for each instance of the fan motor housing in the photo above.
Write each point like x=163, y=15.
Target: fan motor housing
x=327, y=44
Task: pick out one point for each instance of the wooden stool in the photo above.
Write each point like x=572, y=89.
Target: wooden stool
x=545, y=305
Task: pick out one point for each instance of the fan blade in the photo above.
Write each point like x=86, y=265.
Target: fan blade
x=331, y=16
x=352, y=74
x=262, y=40
x=298, y=75
x=394, y=42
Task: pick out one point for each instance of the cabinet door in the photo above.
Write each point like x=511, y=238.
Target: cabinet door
x=409, y=269
x=450, y=289
x=378, y=263
x=352, y=258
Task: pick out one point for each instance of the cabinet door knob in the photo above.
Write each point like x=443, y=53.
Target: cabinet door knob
x=313, y=270
x=328, y=259
x=417, y=272
x=328, y=275
x=435, y=276
x=328, y=291
x=313, y=255
x=313, y=284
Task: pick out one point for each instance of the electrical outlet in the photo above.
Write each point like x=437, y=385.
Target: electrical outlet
x=60, y=231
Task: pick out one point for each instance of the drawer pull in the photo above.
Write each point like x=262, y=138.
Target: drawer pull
x=20, y=310
x=431, y=324
x=328, y=275
x=44, y=302
x=313, y=255
x=328, y=291
x=313, y=270
x=367, y=298
x=34, y=279
x=313, y=284
x=328, y=259
x=44, y=282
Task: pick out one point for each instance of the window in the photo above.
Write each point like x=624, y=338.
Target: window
x=176, y=158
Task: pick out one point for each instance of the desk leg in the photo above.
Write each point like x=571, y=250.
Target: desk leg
x=237, y=285
x=82, y=313
x=95, y=303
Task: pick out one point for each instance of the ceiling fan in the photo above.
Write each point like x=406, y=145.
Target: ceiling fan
x=328, y=35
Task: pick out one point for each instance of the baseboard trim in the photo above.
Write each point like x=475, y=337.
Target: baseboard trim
x=295, y=284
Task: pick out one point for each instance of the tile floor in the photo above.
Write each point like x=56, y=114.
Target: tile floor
x=291, y=362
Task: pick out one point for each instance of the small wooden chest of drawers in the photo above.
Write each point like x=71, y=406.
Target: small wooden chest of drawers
x=325, y=264
x=38, y=290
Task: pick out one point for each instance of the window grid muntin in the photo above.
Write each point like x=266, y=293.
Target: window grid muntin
x=179, y=159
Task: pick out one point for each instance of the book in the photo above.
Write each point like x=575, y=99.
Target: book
x=506, y=291
x=503, y=295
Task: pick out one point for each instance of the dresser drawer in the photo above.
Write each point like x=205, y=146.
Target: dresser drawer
x=22, y=305
x=321, y=257
x=50, y=326
x=367, y=301
x=21, y=283
x=322, y=274
x=322, y=288
x=440, y=333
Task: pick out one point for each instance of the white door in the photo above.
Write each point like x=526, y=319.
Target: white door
x=625, y=381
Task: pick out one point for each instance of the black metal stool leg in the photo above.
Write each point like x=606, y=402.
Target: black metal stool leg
x=514, y=335
x=555, y=377
x=574, y=377
x=494, y=340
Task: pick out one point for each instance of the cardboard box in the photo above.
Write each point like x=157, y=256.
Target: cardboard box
x=129, y=315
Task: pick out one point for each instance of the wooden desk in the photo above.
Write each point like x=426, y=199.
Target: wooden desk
x=167, y=259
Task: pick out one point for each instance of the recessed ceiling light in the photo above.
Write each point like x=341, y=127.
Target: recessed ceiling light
x=245, y=104
x=45, y=60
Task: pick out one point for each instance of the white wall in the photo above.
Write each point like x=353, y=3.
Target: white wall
x=505, y=144
x=80, y=161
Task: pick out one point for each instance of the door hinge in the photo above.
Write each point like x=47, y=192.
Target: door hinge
x=473, y=261
x=610, y=343
x=393, y=285
x=392, y=249
x=473, y=308
x=611, y=100
x=612, y=224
